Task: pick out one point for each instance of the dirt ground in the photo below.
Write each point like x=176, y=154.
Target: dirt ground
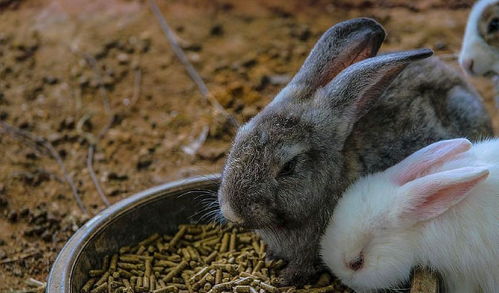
x=71, y=68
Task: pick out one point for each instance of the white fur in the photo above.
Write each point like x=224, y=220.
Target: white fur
x=485, y=57
x=462, y=243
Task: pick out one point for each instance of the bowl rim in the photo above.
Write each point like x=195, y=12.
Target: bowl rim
x=62, y=269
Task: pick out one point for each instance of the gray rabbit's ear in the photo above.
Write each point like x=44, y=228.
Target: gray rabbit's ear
x=356, y=89
x=342, y=45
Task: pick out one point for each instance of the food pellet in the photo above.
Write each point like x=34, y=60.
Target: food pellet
x=196, y=259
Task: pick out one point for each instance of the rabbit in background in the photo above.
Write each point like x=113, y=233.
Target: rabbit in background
x=439, y=208
x=480, y=50
x=346, y=113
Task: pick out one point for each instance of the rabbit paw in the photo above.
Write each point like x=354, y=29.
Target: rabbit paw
x=270, y=255
x=294, y=275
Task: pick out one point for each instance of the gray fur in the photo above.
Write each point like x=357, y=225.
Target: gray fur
x=339, y=127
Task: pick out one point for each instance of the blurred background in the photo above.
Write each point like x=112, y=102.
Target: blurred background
x=99, y=101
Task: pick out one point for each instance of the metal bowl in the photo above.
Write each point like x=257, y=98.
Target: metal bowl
x=156, y=210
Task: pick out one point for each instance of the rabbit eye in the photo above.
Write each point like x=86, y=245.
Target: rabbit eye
x=493, y=25
x=288, y=168
x=357, y=263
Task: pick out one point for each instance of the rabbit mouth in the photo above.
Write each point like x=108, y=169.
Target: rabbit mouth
x=273, y=222
x=251, y=225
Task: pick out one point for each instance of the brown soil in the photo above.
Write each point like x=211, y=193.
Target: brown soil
x=69, y=66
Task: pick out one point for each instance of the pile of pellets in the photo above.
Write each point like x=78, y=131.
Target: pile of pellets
x=198, y=258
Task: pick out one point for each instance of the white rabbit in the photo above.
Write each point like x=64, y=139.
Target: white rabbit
x=480, y=50
x=439, y=208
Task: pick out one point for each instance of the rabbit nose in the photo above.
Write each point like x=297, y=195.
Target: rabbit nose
x=357, y=263
x=229, y=214
x=467, y=64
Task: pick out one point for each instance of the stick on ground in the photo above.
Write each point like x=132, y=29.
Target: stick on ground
x=95, y=180
x=90, y=158
x=137, y=81
x=35, y=140
x=449, y=57
x=91, y=148
x=194, y=75
x=93, y=142
x=18, y=258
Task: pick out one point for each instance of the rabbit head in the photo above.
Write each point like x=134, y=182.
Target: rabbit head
x=480, y=50
x=283, y=160
x=371, y=241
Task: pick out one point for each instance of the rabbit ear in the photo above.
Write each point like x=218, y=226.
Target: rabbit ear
x=356, y=89
x=420, y=162
x=430, y=196
x=343, y=44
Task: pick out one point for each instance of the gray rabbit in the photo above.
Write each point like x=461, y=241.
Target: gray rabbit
x=344, y=114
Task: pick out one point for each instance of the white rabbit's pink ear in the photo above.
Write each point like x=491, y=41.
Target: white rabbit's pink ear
x=420, y=162
x=430, y=196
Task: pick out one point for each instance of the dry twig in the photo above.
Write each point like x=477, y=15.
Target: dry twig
x=93, y=142
x=37, y=141
x=449, y=57
x=20, y=257
x=90, y=158
x=93, y=145
x=95, y=180
x=194, y=75
x=35, y=283
x=137, y=81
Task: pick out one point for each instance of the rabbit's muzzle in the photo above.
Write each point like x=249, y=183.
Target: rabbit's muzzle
x=229, y=214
